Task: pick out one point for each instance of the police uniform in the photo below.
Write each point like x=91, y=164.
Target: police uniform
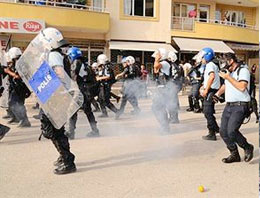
x=193, y=98
x=66, y=160
x=235, y=112
x=105, y=89
x=208, y=104
x=176, y=76
x=3, y=129
x=129, y=89
x=165, y=98
x=18, y=92
x=87, y=83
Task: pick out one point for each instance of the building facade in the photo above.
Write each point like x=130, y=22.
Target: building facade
x=138, y=27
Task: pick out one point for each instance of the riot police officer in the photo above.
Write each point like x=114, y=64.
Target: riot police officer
x=165, y=97
x=3, y=129
x=211, y=84
x=106, y=79
x=130, y=90
x=65, y=161
x=236, y=88
x=176, y=76
x=195, y=79
x=18, y=91
x=86, y=80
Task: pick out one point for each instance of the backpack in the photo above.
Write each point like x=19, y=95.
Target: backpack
x=177, y=70
x=253, y=103
x=251, y=81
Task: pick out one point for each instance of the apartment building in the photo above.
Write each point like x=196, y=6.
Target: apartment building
x=138, y=27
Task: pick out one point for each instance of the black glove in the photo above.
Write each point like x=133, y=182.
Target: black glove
x=215, y=99
x=1, y=91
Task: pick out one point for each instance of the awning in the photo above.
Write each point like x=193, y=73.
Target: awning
x=195, y=45
x=246, y=47
x=139, y=46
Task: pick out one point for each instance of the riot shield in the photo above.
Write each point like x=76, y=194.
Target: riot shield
x=58, y=95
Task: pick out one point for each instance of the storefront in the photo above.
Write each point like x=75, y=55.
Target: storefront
x=19, y=32
x=142, y=51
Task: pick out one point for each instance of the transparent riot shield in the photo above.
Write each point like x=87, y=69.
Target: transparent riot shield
x=57, y=94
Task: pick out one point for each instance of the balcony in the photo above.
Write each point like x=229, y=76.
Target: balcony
x=69, y=16
x=214, y=29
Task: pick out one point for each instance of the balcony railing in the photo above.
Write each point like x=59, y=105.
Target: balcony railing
x=187, y=23
x=54, y=3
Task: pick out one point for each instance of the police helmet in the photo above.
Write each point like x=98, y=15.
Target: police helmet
x=207, y=53
x=94, y=65
x=74, y=53
x=14, y=53
x=123, y=60
x=102, y=59
x=162, y=51
x=52, y=38
x=130, y=60
x=172, y=56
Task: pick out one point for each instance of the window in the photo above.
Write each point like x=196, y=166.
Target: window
x=235, y=18
x=139, y=8
x=183, y=16
x=204, y=13
x=184, y=10
x=217, y=16
x=97, y=5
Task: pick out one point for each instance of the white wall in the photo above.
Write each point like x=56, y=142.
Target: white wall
x=140, y=30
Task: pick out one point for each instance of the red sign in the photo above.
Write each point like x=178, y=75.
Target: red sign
x=21, y=25
x=32, y=26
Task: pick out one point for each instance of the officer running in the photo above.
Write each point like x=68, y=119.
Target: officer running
x=194, y=76
x=18, y=91
x=106, y=79
x=165, y=97
x=176, y=76
x=236, y=88
x=130, y=86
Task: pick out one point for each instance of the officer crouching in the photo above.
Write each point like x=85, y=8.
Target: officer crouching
x=236, y=88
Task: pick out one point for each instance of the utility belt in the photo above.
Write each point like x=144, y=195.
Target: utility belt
x=194, y=82
x=237, y=103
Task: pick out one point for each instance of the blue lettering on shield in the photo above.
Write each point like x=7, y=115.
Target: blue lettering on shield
x=44, y=82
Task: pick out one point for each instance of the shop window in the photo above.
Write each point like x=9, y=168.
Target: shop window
x=143, y=8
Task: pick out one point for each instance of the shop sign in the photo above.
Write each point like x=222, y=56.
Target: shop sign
x=12, y=25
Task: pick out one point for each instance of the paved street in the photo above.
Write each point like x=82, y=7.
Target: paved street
x=131, y=159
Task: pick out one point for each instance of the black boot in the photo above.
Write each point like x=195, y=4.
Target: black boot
x=191, y=108
x=93, y=133
x=8, y=115
x=13, y=121
x=234, y=157
x=24, y=123
x=196, y=106
x=65, y=169
x=3, y=130
x=210, y=136
x=58, y=162
x=70, y=135
x=249, y=152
